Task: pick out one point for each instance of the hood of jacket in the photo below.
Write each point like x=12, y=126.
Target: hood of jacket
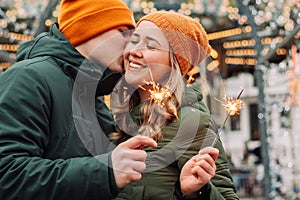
x=193, y=97
x=54, y=44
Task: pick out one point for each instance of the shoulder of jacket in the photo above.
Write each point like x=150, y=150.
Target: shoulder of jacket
x=189, y=111
x=43, y=63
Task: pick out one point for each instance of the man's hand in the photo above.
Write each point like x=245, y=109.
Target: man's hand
x=198, y=171
x=128, y=159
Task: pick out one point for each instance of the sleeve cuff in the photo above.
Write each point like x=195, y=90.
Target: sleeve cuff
x=112, y=182
x=203, y=193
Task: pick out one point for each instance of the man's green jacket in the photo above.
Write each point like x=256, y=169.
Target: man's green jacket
x=50, y=139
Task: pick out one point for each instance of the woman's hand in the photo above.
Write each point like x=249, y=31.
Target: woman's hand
x=128, y=159
x=198, y=171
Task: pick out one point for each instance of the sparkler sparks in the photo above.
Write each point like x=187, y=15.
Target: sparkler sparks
x=157, y=92
x=232, y=106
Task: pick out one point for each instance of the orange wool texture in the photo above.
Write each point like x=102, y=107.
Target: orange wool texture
x=81, y=20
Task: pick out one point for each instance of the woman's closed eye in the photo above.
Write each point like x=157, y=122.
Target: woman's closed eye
x=134, y=41
x=151, y=46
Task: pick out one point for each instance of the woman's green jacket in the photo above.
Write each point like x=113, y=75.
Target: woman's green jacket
x=182, y=139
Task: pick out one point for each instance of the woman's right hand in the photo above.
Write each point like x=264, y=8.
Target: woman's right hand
x=128, y=159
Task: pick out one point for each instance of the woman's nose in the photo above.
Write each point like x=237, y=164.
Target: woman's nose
x=136, y=50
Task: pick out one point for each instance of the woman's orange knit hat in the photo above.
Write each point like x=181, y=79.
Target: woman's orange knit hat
x=187, y=37
x=81, y=20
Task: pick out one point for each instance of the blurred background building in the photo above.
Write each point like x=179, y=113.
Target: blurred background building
x=255, y=47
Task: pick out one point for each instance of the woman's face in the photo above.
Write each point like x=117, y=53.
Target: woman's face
x=146, y=56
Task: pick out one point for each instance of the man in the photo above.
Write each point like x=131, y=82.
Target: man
x=42, y=154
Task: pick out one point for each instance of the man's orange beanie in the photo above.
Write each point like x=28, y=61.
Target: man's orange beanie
x=186, y=36
x=81, y=20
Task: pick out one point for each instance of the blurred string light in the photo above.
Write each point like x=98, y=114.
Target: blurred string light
x=281, y=117
x=269, y=14
x=20, y=16
x=18, y=20
x=293, y=79
x=275, y=14
x=274, y=19
x=192, y=8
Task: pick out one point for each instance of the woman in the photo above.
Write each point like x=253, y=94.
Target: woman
x=159, y=96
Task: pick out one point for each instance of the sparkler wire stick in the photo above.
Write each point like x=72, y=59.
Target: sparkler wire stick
x=232, y=107
x=151, y=74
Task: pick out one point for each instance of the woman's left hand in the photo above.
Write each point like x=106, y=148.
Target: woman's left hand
x=198, y=171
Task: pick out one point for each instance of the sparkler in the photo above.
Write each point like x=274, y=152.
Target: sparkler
x=158, y=94
x=232, y=106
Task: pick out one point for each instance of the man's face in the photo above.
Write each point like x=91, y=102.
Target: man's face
x=110, y=47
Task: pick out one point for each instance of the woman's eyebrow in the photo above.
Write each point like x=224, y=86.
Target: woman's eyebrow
x=153, y=39
x=147, y=37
